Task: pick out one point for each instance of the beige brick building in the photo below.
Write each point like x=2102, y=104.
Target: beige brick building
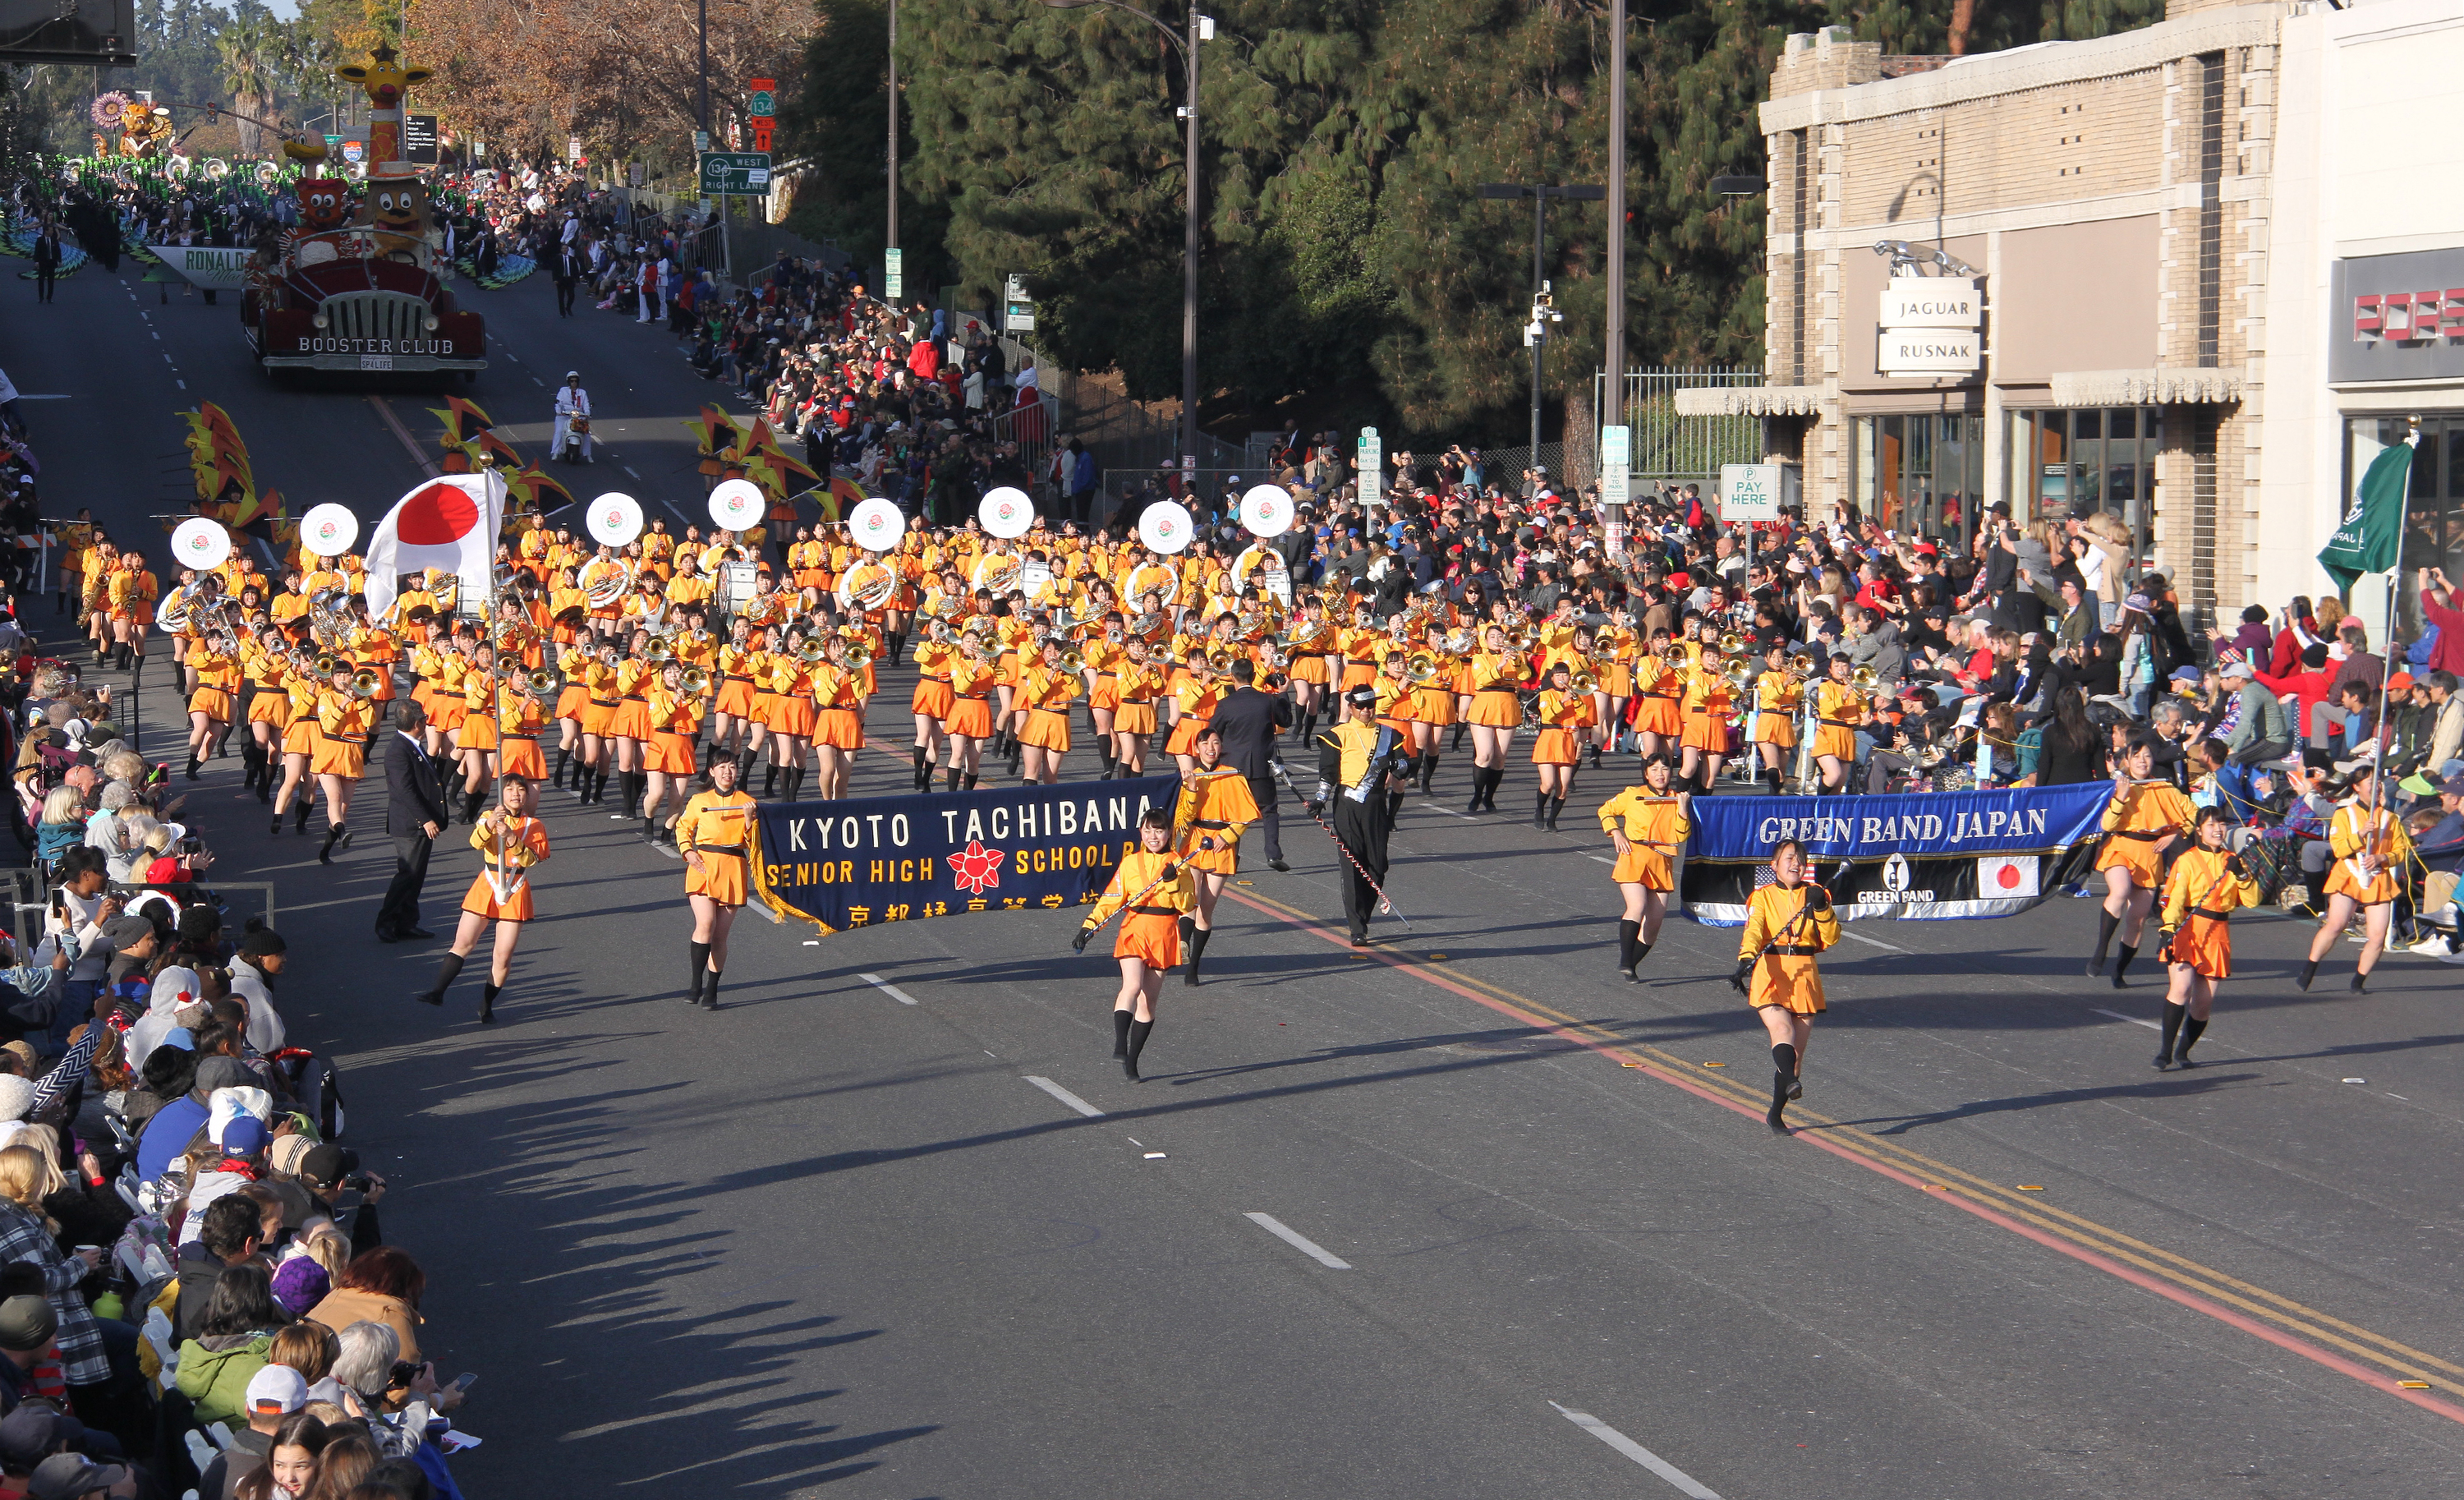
x=2111, y=202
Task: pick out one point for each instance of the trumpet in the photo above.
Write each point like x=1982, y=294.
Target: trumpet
x=1740, y=675
x=1673, y=657
x=1420, y=668
x=857, y=662
x=658, y=653
x=810, y=651
x=1072, y=661
x=327, y=664
x=1217, y=662
x=1863, y=679
x=1582, y=682
x=694, y=681
x=365, y=683
x=1731, y=643
x=538, y=684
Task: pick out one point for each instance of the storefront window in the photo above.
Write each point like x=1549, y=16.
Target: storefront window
x=2077, y=463
x=2434, y=531
x=1921, y=473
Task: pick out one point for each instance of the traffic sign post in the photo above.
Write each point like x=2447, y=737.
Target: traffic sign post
x=1756, y=492
x=743, y=173
x=893, y=277
x=1369, y=460
x=1616, y=457
x=1017, y=309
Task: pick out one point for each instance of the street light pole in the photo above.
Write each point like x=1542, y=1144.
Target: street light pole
x=892, y=243
x=1199, y=28
x=1613, y=410
x=702, y=9
x=1536, y=332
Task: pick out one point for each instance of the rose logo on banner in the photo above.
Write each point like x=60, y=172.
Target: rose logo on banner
x=976, y=869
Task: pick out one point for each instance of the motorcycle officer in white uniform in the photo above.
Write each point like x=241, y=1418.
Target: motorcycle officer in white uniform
x=572, y=404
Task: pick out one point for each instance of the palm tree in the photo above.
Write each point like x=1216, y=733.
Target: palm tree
x=245, y=50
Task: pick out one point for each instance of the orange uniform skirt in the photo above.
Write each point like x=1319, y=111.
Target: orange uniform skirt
x=1836, y=742
x=1134, y=717
x=1358, y=674
x=1776, y=729
x=1224, y=859
x=1495, y=708
x=480, y=900
x=270, y=706
x=1153, y=940
x=933, y=697
x=213, y=702
x=597, y=715
x=720, y=878
x=570, y=702
x=1656, y=714
x=519, y=755
x=446, y=713
x=839, y=728
x=1556, y=748
x=669, y=753
x=1641, y=865
x=2205, y=944
x=300, y=737
x=631, y=719
x=342, y=758
x=1185, y=736
x=1046, y=729
x=1309, y=669
x=971, y=717
x=2142, y=858
x=1788, y=981
x=734, y=697
x=2342, y=881
x=1703, y=732
x=478, y=732
x=1434, y=705
x=792, y=715
x=1619, y=680
x=1106, y=691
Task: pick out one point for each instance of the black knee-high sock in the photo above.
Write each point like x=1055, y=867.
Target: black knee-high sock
x=1557, y=805
x=2128, y=951
x=1784, y=1064
x=2193, y=1028
x=563, y=764
x=700, y=967
x=923, y=777
x=770, y=780
x=2173, y=1015
x=446, y=972
x=1139, y=1031
x=1456, y=741
x=1198, y=947
x=1109, y=755
x=954, y=782
x=1629, y=938
x=488, y=1001
x=2105, y=923
x=1428, y=767
x=1121, y=1033
x=971, y=781
x=710, y=991
x=300, y=813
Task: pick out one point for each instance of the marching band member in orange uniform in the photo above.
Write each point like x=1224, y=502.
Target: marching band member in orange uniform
x=675, y=723
x=595, y=669
x=1216, y=807
x=344, y=721
x=1134, y=718
x=300, y=750
x=1563, y=714
x=269, y=709
x=1195, y=699
x=1704, y=742
x=731, y=709
x=518, y=724
x=717, y=834
x=791, y=717
x=1658, y=688
x=1839, y=708
x=1647, y=824
x=1778, y=698
x=2205, y=885
x=932, y=700
x=1044, y=693
x=1151, y=890
x=511, y=844
x=476, y=740
x=972, y=676
x=2143, y=818
x=131, y=592
x=628, y=724
x=209, y=707
x=1496, y=676
x=1788, y=924
x=2370, y=845
x=838, y=727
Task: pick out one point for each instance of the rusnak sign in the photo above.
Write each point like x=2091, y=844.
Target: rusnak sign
x=2397, y=318
x=1930, y=326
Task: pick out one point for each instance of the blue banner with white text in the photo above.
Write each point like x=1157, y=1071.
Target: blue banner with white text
x=873, y=860
x=1922, y=857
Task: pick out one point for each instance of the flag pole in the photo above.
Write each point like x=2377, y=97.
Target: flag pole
x=2386, y=642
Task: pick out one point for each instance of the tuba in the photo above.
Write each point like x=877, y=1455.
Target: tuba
x=607, y=584
x=877, y=593
x=173, y=616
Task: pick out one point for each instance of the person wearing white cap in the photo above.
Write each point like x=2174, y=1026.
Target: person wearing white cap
x=572, y=420
x=273, y=1393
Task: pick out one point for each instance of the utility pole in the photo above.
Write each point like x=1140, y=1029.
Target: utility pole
x=703, y=9
x=1535, y=332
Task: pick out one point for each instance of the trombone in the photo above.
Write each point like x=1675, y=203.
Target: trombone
x=538, y=684
x=694, y=682
x=1420, y=668
x=365, y=683
x=1072, y=661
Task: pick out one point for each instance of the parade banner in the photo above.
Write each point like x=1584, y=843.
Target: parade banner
x=211, y=268
x=1927, y=856
x=873, y=860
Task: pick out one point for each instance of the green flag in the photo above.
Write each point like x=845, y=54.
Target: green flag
x=2370, y=538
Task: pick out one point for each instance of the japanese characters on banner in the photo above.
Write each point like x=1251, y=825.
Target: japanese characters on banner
x=869, y=861
x=1937, y=856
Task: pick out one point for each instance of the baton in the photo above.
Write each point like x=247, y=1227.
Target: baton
x=1385, y=902
x=1169, y=872
x=1781, y=936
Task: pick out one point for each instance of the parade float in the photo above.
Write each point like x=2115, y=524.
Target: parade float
x=360, y=286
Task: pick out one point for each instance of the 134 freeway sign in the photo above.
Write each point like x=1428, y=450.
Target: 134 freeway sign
x=735, y=172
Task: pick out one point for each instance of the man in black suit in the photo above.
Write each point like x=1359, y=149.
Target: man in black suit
x=1249, y=721
x=415, y=815
x=47, y=259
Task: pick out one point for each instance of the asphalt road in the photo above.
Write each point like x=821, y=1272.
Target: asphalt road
x=836, y=1239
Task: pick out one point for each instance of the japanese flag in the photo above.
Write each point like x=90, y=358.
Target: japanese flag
x=2005, y=875
x=449, y=523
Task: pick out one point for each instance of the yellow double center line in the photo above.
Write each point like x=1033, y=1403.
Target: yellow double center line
x=2395, y=1367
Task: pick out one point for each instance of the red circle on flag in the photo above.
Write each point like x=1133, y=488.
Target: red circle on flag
x=2008, y=876
x=437, y=516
